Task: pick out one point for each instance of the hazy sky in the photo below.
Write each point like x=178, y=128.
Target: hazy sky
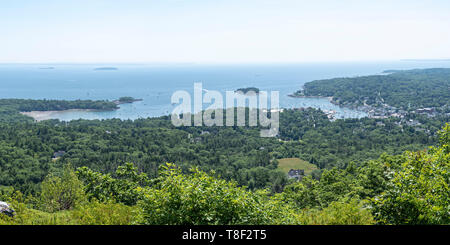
x=214, y=31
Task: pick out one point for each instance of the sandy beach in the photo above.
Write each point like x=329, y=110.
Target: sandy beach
x=46, y=115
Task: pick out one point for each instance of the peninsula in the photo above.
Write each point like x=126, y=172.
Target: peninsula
x=399, y=92
x=25, y=109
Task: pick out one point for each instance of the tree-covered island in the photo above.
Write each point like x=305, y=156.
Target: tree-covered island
x=126, y=100
x=246, y=90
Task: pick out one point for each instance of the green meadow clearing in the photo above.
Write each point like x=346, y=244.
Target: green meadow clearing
x=287, y=164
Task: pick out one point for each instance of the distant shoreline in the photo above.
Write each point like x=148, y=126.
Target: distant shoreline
x=47, y=115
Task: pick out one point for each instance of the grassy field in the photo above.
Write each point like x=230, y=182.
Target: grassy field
x=287, y=164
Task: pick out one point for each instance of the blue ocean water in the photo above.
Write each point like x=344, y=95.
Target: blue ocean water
x=155, y=84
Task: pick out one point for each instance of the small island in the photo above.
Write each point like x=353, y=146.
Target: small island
x=106, y=69
x=246, y=90
x=126, y=100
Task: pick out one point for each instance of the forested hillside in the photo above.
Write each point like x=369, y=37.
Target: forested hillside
x=236, y=153
x=373, y=170
x=412, y=188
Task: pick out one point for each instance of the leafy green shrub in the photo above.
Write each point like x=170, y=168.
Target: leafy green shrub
x=419, y=193
x=105, y=188
x=338, y=213
x=97, y=213
x=61, y=193
x=200, y=199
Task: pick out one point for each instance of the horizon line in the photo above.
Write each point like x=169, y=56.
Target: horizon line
x=214, y=63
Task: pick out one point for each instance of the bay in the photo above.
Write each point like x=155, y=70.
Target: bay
x=155, y=83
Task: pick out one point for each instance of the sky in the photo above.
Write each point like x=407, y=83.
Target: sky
x=222, y=31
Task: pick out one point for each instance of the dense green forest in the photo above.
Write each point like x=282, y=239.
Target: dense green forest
x=405, y=90
x=222, y=175
x=411, y=188
x=236, y=153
